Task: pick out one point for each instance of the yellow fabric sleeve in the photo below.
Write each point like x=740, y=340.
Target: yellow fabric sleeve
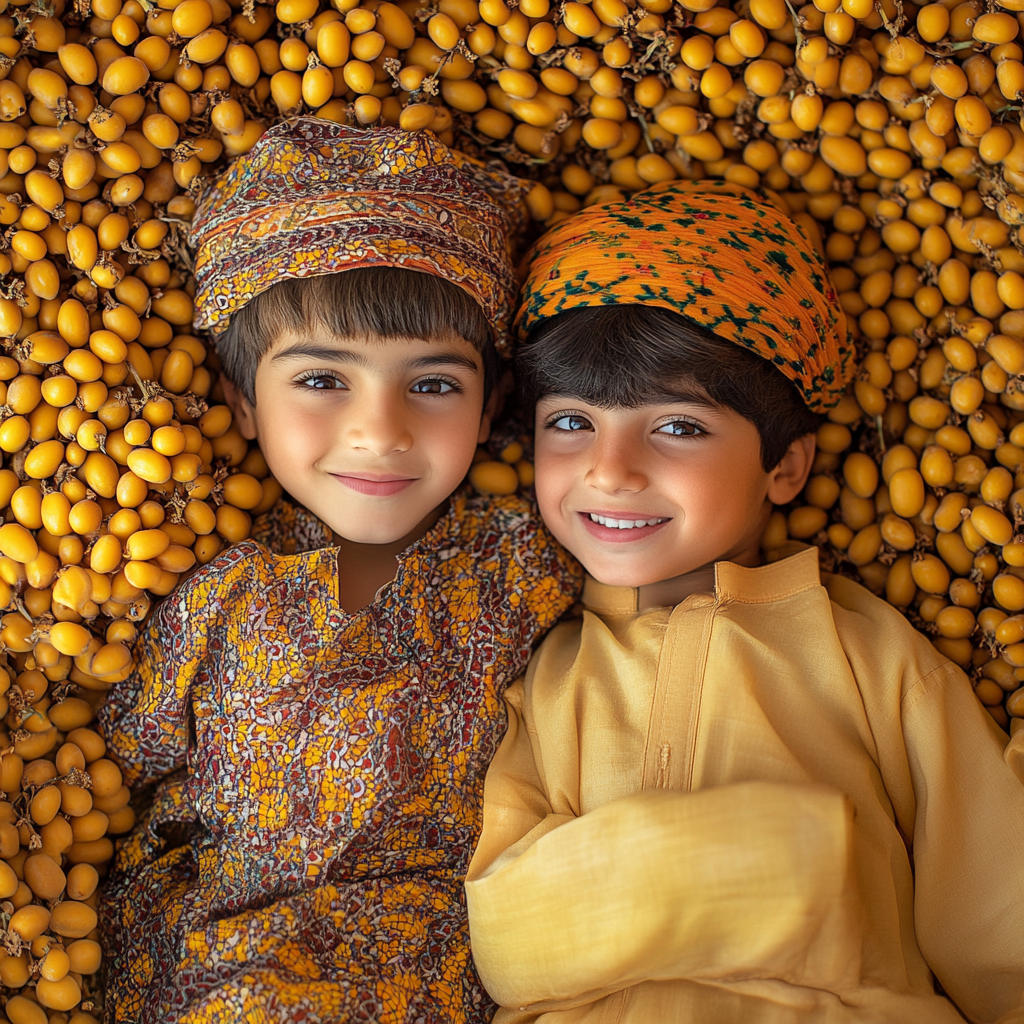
x=751, y=880
x=967, y=846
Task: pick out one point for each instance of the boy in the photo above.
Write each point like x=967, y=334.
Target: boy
x=319, y=716
x=732, y=792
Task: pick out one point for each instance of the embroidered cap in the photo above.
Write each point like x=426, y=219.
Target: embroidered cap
x=718, y=254
x=313, y=197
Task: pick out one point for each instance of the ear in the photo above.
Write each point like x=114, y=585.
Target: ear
x=245, y=415
x=787, y=479
x=491, y=408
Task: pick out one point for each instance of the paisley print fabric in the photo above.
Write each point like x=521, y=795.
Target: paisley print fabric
x=319, y=775
x=715, y=252
x=313, y=197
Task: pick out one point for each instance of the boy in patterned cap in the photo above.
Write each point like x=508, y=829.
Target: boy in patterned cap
x=318, y=709
x=731, y=793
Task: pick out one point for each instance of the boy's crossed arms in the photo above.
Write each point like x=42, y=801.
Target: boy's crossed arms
x=601, y=868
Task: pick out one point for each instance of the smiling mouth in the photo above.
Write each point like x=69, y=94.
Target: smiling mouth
x=378, y=486
x=625, y=524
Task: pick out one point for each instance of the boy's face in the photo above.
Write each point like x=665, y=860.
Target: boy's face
x=644, y=495
x=372, y=435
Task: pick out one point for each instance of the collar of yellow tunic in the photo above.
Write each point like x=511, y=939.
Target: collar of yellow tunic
x=757, y=585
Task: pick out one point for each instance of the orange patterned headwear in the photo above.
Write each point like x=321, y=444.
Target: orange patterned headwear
x=718, y=254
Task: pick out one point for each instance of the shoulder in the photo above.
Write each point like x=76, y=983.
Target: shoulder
x=511, y=530
x=857, y=609
x=878, y=639
x=490, y=567
x=484, y=520
x=234, y=573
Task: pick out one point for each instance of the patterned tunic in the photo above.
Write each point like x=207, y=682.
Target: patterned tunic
x=320, y=775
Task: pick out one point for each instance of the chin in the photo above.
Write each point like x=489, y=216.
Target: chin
x=613, y=575
x=388, y=536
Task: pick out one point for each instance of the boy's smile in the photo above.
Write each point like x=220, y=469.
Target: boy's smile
x=621, y=527
x=643, y=495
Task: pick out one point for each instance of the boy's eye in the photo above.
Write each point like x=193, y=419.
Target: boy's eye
x=679, y=428
x=434, y=386
x=571, y=422
x=321, y=382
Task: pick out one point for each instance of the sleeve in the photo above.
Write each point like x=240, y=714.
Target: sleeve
x=968, y=842
x=147, y=718
x=741, y=881
x=541, y=579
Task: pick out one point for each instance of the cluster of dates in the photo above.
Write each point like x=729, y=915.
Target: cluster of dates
x=889, y=129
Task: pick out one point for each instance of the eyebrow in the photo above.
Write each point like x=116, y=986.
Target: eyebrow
x=697, y=398
x=444, y=359
x=666, y=396
x=344, y=355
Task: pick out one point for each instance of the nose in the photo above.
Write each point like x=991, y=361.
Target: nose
x=377, y=424
x=616, y=466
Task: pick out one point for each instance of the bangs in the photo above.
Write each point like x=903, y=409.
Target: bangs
x=386, y=302
x=367, y=303
x=616, y=357
x=627, y=356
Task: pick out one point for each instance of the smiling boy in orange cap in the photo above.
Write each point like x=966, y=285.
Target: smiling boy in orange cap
x=732, y=793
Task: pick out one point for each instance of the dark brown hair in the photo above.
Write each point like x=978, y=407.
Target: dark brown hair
x=387, y=302
x=625, y=356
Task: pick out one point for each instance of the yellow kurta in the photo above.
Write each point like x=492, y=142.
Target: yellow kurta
x=777, y=803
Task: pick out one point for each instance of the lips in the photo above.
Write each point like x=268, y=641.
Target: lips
x=622, y=527
x=376, y=486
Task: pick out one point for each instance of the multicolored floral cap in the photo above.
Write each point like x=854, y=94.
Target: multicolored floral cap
x=715, y=252
x=313, y=197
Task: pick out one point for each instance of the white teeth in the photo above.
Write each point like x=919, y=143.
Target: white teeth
x=624, y=524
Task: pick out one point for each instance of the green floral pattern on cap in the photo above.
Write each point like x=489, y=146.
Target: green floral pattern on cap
x=715, y=252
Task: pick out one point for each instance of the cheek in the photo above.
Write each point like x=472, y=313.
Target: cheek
x=724, y=490
x=290, y=438
x=553, y=481
x=451, y=441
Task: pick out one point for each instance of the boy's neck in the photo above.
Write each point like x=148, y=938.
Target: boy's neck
x=364, y=568
x=668, y=593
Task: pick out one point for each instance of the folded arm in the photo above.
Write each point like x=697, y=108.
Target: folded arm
x=744, y=881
